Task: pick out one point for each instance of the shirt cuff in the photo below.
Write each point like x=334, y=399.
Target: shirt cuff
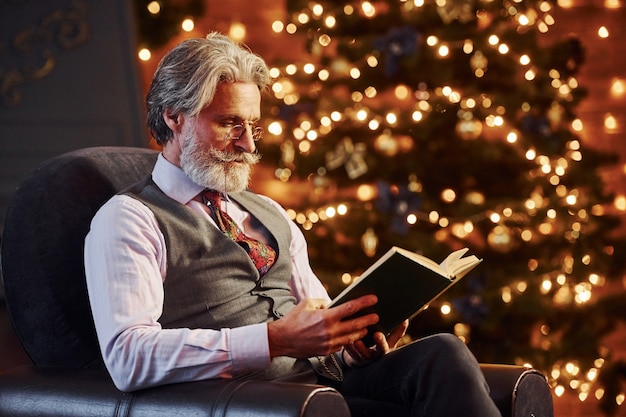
x=250, y=348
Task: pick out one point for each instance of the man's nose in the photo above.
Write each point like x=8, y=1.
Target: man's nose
x=246, y=142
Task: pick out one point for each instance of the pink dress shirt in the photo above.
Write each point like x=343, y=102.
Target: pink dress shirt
x=126, y=265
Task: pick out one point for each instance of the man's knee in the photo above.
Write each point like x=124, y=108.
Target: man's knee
x=447, y=350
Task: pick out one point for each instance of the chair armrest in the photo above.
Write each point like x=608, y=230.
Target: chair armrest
x=519, y=391
x=36, y=391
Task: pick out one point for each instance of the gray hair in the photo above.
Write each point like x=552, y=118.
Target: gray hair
x=187, y=77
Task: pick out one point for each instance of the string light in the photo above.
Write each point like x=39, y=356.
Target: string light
x=237, y=31
x=603, y=32
x=144, y=54
x=154, y=7
x=187, y=25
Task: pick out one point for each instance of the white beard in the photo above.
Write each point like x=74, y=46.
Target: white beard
x=223, y=171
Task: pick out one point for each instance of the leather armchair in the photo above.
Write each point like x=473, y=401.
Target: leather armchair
x=46, y=296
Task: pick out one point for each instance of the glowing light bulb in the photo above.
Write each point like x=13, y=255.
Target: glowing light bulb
x=618, y=87
x=309, y=68
x=237, y=31
x=278, y=26
x=523, y=20
x=275, y=128
x=317, y=9
x=144, y=54
x=577, y=125
x=468, y=46
x=187, y=24
x=391, y=118
x=324, y=40
x=291, y=28
x=368, y=9
x=603, y=32
x=154, y=7
x=446, y=309
x=303, y=18
x=610, y=122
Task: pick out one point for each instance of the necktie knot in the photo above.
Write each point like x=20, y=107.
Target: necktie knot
x=212, y=198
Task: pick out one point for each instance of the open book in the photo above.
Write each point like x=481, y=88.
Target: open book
x=405, y=284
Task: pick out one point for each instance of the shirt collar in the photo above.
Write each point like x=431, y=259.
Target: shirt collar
x=173, y=181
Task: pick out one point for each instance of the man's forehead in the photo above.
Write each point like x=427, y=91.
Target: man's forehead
x=236, y=100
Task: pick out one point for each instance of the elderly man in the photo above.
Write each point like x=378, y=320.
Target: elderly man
x=191, y=276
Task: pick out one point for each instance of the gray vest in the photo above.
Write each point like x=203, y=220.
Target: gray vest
x=212, y=283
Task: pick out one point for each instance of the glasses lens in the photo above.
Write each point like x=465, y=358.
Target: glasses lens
x=257, y=133
x=236, y=132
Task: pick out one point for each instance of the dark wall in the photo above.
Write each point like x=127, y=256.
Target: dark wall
x=68, y=80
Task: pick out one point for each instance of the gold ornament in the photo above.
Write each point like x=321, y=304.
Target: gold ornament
x=369, y=242
x=500, y=239
x=405, y=143
x=461, y=10
x=479, y=61
x=469, y=129
x=386, y=144
x=351, y=155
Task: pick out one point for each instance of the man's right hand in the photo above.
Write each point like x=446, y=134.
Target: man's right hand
x=312, y=330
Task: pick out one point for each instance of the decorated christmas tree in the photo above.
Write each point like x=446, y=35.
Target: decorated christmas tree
x=439, y=124
x=435, y=125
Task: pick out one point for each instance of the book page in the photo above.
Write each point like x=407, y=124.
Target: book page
x=456, y=265
x=422, y=260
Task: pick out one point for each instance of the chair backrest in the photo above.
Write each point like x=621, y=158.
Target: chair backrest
x=42, y=249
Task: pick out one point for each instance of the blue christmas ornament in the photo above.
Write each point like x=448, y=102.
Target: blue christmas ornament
x=397, y=43
x=537, y=126
x=472, y=307
x=398, y=201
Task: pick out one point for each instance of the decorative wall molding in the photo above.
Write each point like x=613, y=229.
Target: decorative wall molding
x=31, y=52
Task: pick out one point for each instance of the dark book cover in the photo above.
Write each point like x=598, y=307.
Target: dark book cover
x=403, y=285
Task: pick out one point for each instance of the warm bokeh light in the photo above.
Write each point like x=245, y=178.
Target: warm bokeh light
x=187, y=25
x=144, y=54
x=154, y=7
x=237, y=31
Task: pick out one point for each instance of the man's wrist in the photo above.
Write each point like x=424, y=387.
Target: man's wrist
x=274, y=339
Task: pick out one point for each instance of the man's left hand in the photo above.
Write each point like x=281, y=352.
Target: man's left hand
x=357, y=354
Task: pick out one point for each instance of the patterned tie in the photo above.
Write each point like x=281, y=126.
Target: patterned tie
x=262, y=255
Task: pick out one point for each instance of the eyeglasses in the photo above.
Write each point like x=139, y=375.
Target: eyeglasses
x=237, y=131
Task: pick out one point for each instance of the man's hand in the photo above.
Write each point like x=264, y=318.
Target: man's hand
x=312, y=330
x=357, y=354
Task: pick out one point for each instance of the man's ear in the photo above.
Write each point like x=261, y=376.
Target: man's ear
x=172, y=120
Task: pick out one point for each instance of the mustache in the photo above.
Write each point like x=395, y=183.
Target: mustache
x=250, y=158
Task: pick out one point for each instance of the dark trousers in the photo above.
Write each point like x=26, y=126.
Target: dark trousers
x=436, y=377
